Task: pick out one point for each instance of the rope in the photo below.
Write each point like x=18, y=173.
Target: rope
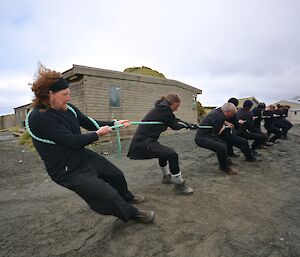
x=116, y=127
x=34, y=136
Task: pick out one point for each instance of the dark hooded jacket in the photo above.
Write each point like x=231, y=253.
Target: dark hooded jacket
x=257, y=113
x=144, y=143
x=215, y=119
x=247, y=116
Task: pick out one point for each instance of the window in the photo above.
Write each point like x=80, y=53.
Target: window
x=114, y=96
x=295, y=113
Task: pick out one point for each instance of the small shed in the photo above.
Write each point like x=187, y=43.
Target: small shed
x=107, y=95
x=294, y=112
x=20, y=114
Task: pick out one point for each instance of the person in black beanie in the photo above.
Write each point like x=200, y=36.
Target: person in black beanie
x=55, y=127
x=246, y=129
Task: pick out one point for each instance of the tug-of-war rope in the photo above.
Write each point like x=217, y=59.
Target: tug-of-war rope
x=116, y=127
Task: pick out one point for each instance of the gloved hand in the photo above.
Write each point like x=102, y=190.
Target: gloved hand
x=185, y=124
x=194, y=126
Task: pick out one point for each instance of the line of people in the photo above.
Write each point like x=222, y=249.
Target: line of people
x=103, y=185
x=235, y=127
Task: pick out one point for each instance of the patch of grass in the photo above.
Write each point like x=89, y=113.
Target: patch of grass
x=25, y=139
x=14, y=129
x=145, y=71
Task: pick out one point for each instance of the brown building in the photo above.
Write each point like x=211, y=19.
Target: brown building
x=20, y=114
x=105, y=94
x=294, y=112
x=7, y=121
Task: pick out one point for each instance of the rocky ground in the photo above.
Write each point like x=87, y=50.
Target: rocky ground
x=255, y=213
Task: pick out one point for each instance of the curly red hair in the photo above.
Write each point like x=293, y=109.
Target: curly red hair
x=44, y=78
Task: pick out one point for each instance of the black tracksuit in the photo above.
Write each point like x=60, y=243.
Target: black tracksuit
x=145, y=145
x=247, y=129
x=281, y=122
x=269, y=126
x=257, y=113
x=101, y=184
x=208, y=137
x=287, y=122
x=233, y=140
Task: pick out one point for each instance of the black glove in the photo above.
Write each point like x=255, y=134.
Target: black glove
x=194, y=126
x=186, y=125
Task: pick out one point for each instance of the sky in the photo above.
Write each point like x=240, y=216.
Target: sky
x=232, y=48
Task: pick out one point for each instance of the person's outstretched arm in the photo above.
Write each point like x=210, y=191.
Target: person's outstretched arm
x=86, y=123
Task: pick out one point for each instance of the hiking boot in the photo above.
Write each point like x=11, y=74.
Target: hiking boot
x=183, y=189
x=254, y=159
x=167, y=179
x=137, y=199
x=231, y=171
x=145, y=217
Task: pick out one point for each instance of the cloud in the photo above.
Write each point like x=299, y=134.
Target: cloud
x=15, y=91
x=226, y=48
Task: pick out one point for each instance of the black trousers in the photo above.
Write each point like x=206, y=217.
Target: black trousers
x=239, y=142
x=258, y=138
x=103, y=186
x=218, y=146
x=273, y=130
x=283, y=124
x=172, y=159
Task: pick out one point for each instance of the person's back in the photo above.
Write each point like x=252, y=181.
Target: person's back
x=257, y=115
x=215, y=119
x=245, y=115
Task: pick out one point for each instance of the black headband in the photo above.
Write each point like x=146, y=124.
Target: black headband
x=59, y=85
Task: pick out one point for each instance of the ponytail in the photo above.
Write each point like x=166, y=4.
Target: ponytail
x=171, y=98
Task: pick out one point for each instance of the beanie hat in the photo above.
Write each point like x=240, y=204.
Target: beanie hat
x=248, y=104
x=234, y=101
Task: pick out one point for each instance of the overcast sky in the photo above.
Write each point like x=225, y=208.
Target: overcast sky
x=226, y=48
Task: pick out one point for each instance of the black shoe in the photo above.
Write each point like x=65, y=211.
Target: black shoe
x=254, y=159
x=137, y=199
x=145, y=216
